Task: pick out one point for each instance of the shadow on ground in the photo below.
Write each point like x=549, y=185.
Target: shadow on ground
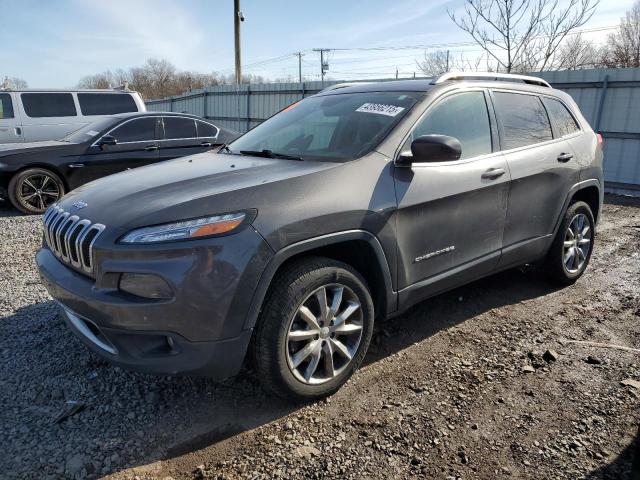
x=624, y=467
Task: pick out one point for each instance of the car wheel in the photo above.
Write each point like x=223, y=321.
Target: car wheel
x=314, y=329
x=34, y=190
x=571, y=250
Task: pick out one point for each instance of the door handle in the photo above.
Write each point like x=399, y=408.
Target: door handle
x=18, y=131
x=205, y=144
x=565, y=157
x=76, y=165
x=151, y=148
x=493, y=173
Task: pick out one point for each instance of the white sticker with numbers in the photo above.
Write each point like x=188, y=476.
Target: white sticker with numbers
x=381, y=109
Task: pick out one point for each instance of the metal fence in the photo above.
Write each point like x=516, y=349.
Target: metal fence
x=609, y=99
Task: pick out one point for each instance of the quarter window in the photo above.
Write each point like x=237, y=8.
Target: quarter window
x=524, y=119
x=463, y=116
x=106, y=103
x=6, y=106
x=562, y=118
x=176, y=127
x=139, y=130
x=206, y=130
x=40, y=105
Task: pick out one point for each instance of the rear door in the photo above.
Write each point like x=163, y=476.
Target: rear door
x=137, y=145
x=181, y=138
x=10, y=126
x=48, y=115
x=542, y=167
x=451, y=214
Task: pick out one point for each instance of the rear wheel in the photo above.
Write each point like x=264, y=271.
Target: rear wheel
x=34, y=190
x=571, y=250
x=314, y=330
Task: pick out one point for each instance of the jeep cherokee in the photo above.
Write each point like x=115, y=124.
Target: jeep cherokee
x=348, y=206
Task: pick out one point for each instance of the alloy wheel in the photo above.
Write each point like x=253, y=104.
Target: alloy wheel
x=38, y=191
x=324, y=334
x=577, y=243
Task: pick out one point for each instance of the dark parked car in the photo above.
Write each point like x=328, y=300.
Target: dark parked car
x=35, y=175
x=349, y=206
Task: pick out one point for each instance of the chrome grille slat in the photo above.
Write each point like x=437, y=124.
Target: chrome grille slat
x=70, y=238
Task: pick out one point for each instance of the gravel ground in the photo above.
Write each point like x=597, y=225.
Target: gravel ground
x=488, y=381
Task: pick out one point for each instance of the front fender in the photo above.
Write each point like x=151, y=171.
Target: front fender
x=309, y=245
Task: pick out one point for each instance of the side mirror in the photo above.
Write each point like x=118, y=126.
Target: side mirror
x=432, y=148
x=107, y=140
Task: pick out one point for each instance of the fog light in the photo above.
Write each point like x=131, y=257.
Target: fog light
x=145, y=285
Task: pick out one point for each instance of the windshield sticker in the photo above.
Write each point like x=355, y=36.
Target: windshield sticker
x=380, y=109
x=91, y=133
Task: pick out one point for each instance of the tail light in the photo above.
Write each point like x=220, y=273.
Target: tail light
x=600, y=140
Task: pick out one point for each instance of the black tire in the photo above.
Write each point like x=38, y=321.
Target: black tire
x=21, y=184
x=271, y=343
x=555, y=263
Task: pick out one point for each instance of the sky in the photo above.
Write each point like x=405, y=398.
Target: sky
x=54, y=43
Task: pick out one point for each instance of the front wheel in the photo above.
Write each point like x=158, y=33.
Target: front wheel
x=34, y=190
x=314, y=330
x=571, y=250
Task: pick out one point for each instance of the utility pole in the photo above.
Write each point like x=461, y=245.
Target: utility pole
x=237, y=18
x=447, y=60
x=299, y=66
x=396, y=73
x=323, y=66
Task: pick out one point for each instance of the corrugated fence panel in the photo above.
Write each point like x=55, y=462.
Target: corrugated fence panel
x=609, y=100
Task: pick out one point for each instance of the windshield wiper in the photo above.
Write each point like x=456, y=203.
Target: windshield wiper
x=269, y=154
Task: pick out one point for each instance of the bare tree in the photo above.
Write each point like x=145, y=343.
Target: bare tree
x=576, y=53
x=522, y=35
x=622, y=49
x=441, y=61
x=14, y=82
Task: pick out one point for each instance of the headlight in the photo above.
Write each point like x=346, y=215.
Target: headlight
x=196, y=228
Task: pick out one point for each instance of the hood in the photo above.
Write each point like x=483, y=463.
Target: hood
x=30, y=147
x=188, y=187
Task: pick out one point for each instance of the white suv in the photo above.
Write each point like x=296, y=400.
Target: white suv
x=38, y=115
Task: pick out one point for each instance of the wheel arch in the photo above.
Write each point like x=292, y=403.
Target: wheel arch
x=589, y=191
x=357, y=248
x=44, y=166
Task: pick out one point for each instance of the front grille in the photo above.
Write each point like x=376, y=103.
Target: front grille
x=71, y=238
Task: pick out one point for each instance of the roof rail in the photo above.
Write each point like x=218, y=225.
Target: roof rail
x=341, y=85
x=498, y=77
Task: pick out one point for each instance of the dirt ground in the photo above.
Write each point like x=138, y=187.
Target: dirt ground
x=508, y=377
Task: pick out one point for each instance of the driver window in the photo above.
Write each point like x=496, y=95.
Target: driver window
x=463, y=116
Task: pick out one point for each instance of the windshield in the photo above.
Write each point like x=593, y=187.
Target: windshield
x=88, y=132
x=335, y=127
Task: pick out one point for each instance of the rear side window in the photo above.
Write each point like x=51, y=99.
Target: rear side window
x=206, y=130
x=463, y=116
x=524, y=119
x=40, y=105
x=106, y=103
x=176, y=127
x=6, y=106
x=139, y=130
x=562, y=118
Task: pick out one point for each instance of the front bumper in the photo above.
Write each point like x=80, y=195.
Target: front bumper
x=197, y=332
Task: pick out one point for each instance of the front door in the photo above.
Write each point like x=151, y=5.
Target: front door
x=136, y=146
x=451, y=214
x=10, y=127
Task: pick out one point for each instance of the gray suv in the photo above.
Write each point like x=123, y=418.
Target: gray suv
x=347, y=207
